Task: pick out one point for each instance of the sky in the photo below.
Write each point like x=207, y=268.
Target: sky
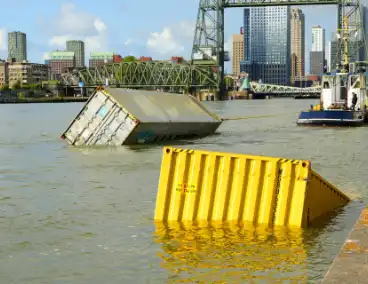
x=160, y=29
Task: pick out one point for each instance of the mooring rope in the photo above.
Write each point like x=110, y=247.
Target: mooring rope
x=258, y=116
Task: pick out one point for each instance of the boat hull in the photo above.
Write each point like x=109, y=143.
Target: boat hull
x=331, y=118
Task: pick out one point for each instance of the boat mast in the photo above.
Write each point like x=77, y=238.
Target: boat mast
x=345, y=32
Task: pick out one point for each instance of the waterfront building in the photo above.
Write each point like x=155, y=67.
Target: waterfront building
x=237, y=53
x=317, y=53
x=17, y=46
x=100, y=58
x=297, y=45
x=4, y=73
x=25, y=73
x=60, y=62
x=267, y=44
x=77, y=46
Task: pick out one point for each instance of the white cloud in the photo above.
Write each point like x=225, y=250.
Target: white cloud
x=129, y=41
x=187, y=28
x=46, y=56
x=173, y=40
x=75, y=25
x=3, y=39
x=99, y=25
x=70, y=21
x=228, y=46
x=164, y=42
x=3, y=43
x=59, y=41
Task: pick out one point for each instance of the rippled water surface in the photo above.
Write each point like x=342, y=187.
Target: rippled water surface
x=71, y=215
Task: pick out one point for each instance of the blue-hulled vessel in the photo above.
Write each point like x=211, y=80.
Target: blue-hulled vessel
x=343, y=98
x=343, y=101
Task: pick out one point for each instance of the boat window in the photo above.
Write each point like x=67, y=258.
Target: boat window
x=326, y=85
x=343, y=93
x=353, y=80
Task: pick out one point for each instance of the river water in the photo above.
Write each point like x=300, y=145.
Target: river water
x=71, y=215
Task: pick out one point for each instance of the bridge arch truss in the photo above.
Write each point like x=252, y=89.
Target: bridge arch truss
x=143, y=75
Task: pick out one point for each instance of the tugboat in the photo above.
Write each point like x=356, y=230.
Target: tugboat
x=343, y=100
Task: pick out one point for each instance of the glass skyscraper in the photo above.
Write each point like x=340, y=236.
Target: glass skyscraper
x=17, y=46
x=77, y=46
x=267, y=44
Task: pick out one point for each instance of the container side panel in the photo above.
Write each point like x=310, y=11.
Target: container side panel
x=269, y=191
x=163, y=200
x=154, y=132
x=300, y=172
x=253, y=192
x=150, y=106
x=123, y=125
x=212, y=186
x=284, y=194
x=97, y=124
x=115, y=129
x=322, y=197
x=195, y=175
x=200, y=105
x=89, y=119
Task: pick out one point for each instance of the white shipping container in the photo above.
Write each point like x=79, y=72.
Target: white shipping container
x=119, y=116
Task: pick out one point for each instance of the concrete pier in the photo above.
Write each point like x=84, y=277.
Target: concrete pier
x=351, y=265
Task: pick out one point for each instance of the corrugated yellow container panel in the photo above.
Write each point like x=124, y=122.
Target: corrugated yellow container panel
x=322, y=197
x=213, y=186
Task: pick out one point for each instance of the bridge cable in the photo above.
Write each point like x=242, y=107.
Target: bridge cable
x=258, y=116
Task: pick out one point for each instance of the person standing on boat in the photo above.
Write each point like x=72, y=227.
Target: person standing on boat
x=354, y=101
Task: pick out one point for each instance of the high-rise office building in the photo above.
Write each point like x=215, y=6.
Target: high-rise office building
x=77, y=46
x=318, y=39
x=267, y=44
x=297, y=44
x=238, y=53
x=17, y=46
x=317, y=53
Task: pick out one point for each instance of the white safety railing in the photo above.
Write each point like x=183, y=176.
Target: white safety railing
x=276, y=89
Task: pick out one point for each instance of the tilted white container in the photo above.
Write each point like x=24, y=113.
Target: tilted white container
x=115, y=116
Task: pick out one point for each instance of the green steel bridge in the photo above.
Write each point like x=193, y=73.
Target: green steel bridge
x=206, y=67
x=153, y=74
x=176, y=77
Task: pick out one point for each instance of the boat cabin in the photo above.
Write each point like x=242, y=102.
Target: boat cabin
x=344, y=91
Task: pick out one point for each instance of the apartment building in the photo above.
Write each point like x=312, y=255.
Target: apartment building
x=4, y=73
x=26, y=73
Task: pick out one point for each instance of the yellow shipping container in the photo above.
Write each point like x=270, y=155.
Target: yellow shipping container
x=214, y=186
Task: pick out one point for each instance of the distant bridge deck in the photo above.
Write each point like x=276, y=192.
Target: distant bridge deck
x=283, y=90
x=144, y=74
x=164, y=74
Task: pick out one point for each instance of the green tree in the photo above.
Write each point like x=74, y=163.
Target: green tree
x=4, y=88
x=16, y=85
x=34, y=86
x=130, y=58
x=229, y=82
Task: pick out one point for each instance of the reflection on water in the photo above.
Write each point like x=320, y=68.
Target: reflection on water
x=204, y=253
